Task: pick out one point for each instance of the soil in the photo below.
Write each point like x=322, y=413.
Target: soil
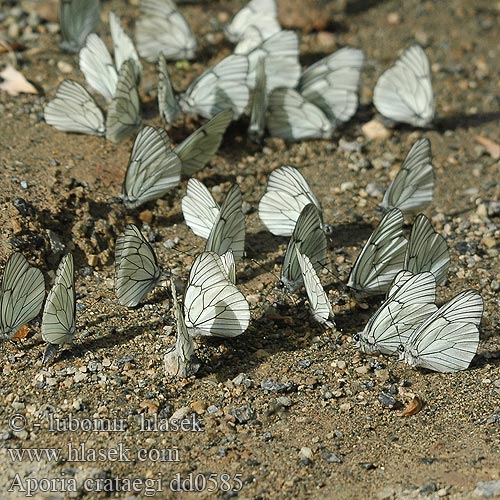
x=289, y=408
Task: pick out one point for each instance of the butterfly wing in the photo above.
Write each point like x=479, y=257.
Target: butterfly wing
x=136, y=267
x=413, y=187
x=427, y=250
x=409, y=303
x=161, y=28
x=124, y=48
x=73, y=109
x=124, y=113
x=212, y=304
x=228, y=232
x=167, y=102
x=21, y=295
x=198, y=149
x=59, y=313
x=219, y=88
x=382, y=257
x=257, y=124
x=153, y=169
x=318, y=300
x=293, y=118
x=404, y=92
x=77, y=20
x=448, y=340
x=310, y=240
x=200, y=209
x=332, y=83
x=98, y=68
x=286, y=195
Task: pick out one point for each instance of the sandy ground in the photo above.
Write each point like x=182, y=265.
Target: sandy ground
x=289, y=409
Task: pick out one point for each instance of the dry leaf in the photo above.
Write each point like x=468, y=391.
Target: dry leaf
x=22, y=333
x=14, y=82
x=492, y=148
x=413, y=407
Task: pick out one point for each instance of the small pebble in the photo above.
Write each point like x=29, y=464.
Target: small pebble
x=306, y=455
x=375, y=131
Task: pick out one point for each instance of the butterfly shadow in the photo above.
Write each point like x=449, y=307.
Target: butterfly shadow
x=463, y=120
x=350, y=234
x=354, y=7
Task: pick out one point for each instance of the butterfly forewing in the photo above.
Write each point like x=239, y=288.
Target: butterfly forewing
x=200, y=209
x=124, y=48
x=124, y=113
x=153, y=169
x=21, y=295
x=73, y=109
x=167, y=102
x=212, y=304
x=413, y=187
x=59, y=313
x=77, y=19
x=257, y=125
x=136, y=267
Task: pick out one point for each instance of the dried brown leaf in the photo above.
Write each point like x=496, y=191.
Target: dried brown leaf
x=14, y=82
x=492, y=148
x=413, y=407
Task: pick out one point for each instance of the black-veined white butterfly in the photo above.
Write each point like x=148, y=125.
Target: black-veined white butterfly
x=179, y=360
x=123, y=46
x=254, y=23
x=281, y=60
x=21, y=295
x=257, y=125
x=427, y=250
x=409, y=302
x=292, y=117
x=73, y=109
x=198, y=149
x=382, y=256
x=318, y=300
x=332, y=84
x=161, y=28
x=222, y=87
x=153, y=168
x=212, y=303
x=223, y=227
x=98, y=68
x=136, y=267
x=286, y=196
x=404, y=92
x=124, y=113
x=167, y=101
x=77, y=20
x=413, y=187
x=310, y=240
x=447, y=341
x=59, y=313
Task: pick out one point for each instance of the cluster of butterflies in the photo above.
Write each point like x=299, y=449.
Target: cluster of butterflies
x=262, y=78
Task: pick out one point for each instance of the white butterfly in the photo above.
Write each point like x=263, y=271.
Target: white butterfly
x=212, y=303
x=223, y=227
x=404, y=92
x=427, y=250
x=124, y=112
x=310, y=240
x=382, y=256
x=161, y=28
x=254, y=36
x=257, y=16
x=281, y=57
x=122, y=45
x=98, y=68
x=21, y=295
x=153, y=168
x=77, y=19
x=73, y=109
x=199, y=148
x=136, y=267
x=167, y=101
x=59, y=313
x=332, y=84
x=409, y=302
x=413, y=187
x=447, y=341
x=318, y=300
x=222, y=87
x=286, y=196
x=179, y=360
x=293, y=118
x=257, y=123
